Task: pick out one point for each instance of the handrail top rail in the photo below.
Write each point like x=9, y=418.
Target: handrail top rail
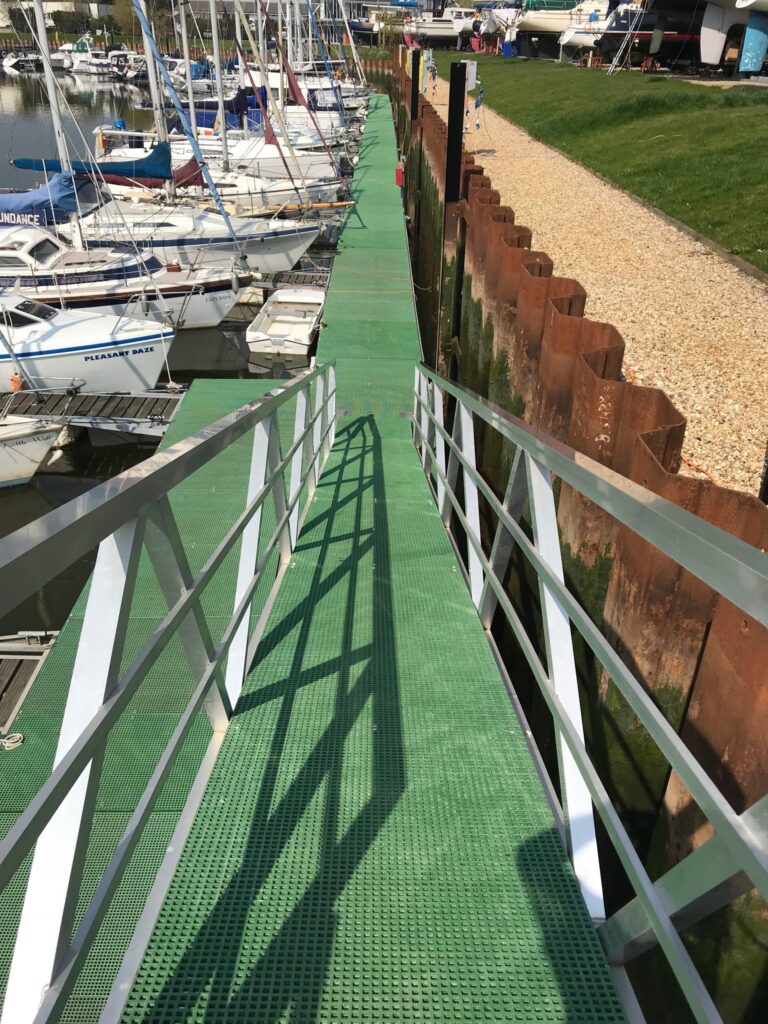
x=35, y=553
x=735, y=569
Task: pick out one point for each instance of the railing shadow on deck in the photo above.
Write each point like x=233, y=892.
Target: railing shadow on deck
x=293, y=967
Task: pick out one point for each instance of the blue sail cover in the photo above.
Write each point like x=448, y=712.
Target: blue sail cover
x=39, y=205
x=156, y=164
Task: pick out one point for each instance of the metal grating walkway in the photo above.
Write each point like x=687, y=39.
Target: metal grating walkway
x=374, y=844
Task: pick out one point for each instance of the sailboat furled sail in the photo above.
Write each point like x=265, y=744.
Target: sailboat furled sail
x=155, y=164
x=38, y=205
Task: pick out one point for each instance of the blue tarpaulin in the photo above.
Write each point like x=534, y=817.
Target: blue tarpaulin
x=38, y=205
x=156, y=164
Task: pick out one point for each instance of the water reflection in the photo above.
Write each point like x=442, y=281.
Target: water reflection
x=26, y=127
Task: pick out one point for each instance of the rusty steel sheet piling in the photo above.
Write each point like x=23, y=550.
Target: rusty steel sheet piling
x=511, y=328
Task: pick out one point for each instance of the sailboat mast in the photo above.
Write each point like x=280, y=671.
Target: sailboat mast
x=199, y=155
x=50, y=85
x=154, y=88
x=188, y=65
x=281, y=70
x=355, y=55
x=240, y=50
x=219, y=85
x=260, y=35
x=53, y=99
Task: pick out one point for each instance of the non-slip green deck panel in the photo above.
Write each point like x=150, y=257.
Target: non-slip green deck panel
x=374, y=844
x=202, y=505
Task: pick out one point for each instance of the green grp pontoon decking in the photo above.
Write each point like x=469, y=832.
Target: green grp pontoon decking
x=374, y=844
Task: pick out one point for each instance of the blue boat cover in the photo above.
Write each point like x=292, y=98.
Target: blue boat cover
x=156, y=164
x=38, y=205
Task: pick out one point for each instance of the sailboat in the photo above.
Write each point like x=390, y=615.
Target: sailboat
x=73, y=276
x=35, y=261
x=59, y=349
x=189, y=235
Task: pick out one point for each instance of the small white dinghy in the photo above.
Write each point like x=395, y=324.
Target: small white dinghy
x=24, y=445
x=285, y=329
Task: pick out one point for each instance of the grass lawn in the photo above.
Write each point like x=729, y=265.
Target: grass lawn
x=699, y=154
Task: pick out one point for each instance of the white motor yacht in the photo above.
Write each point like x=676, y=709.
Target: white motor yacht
x=61, y=60
x=98, y=64
x=81, y=54
x=35, y=261
x=57, y=348
x=22, y=63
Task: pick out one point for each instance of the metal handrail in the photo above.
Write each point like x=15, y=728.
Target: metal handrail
x=729, y=565
x=737, y=857
x=41, y=550
x=129, y=514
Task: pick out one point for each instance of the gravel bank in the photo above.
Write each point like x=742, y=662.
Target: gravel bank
x=693, y=323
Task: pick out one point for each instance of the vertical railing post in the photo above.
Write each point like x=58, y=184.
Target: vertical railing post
x=576, y=799
x=274, y=458
x=424, y=421
x=320, y=410
x=47, y=916
x=471, y=505
x=439, y=448
x=298, y=460
x=237, y=667
x=332, y=405
x=416, y=393
x=452, y=472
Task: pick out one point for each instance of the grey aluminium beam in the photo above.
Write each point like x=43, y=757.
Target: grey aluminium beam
x=702, y=883
x=735, y=569
x=44, y=548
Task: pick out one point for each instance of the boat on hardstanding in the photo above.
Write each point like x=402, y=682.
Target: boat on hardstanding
x=61, y=348
x=635, y=33
x=285, y=329
x=447, y=27
x=542, y=22
x=34, y=260
x=499, y=18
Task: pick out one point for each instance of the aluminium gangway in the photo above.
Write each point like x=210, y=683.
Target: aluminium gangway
x=289, y=782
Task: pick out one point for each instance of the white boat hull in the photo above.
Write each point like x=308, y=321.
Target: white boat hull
x=285, y=328
x=192, y=310
x=24, y=445
x=127, y=363
x=556, y=22
x=264, y=255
